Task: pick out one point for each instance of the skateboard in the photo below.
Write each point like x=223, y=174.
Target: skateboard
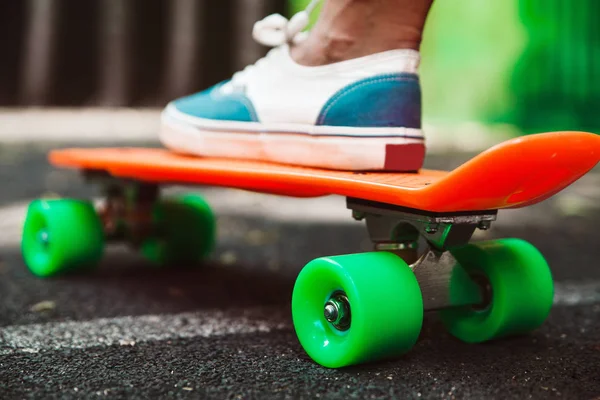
x=352, y=308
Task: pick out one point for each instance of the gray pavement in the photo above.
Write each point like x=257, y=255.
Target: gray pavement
x=223, y=330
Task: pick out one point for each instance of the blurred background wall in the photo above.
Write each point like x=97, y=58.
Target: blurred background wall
x=531, y=64
x=122, y=52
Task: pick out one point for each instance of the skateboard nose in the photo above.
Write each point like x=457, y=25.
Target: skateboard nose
x=555, y=167
x=545, y=183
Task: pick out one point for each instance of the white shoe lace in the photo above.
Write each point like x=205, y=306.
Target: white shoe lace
x=274, y=31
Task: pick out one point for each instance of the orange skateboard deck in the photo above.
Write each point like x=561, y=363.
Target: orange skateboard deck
x=515, y=173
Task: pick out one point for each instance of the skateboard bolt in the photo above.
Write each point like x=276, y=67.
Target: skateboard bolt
x=484, y=225
x=431, y=229
x=337, y=311
x=43, y=238
x=331, y=312
x=358, y=215
x=385, y=246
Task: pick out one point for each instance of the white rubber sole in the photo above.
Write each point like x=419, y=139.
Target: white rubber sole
x=339, y=148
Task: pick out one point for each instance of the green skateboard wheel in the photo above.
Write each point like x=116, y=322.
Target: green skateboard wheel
x=519, y=291
x=186, y=231
x=357, y=308
x=61, y=235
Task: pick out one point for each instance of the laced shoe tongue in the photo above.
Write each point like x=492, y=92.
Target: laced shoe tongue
x=275, y=30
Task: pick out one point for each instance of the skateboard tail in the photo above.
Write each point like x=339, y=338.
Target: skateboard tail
x=175, y=169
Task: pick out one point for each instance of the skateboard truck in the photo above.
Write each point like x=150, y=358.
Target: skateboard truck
x=126, y=214
x=398, y=229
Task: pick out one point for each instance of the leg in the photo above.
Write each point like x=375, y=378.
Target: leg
x=349, y=29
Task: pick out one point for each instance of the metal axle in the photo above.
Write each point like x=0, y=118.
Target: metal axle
x=337, y=311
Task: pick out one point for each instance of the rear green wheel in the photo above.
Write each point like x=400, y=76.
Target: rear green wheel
x=186, y=231
x=61, y=235
x=357, y=308
x=518, y=290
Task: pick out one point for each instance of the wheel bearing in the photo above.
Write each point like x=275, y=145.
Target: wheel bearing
x=337, y=311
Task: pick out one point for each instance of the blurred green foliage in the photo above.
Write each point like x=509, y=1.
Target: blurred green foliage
x=556, y=79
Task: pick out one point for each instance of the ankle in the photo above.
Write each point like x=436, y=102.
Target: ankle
x=333, y=47
x=348, y=29
x=324, y=48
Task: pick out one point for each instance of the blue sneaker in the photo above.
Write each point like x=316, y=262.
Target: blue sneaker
x=362, y=114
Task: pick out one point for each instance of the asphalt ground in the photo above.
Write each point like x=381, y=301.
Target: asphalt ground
x=223, y=330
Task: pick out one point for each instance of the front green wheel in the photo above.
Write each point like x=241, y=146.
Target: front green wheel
x=518, y=290
x=185, y=231
x=356, y=308
x=61, y=235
